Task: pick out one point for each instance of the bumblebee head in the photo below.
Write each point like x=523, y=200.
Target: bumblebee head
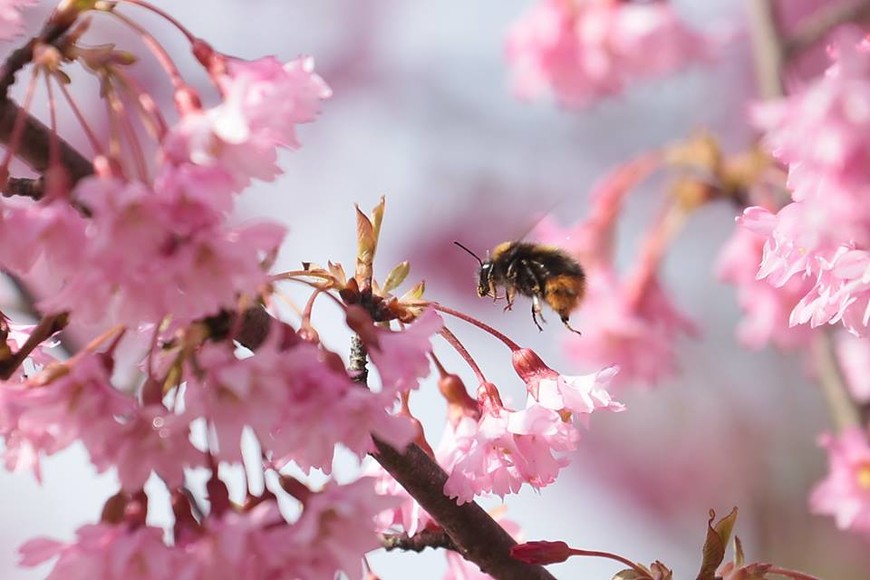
x=484, y=280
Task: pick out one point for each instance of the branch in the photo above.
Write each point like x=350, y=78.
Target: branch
x=816, y=27
x=46, y=327
x=833, y=384
x=24, y=187
x=33, y=148
x=768, y=48
x=418, y=542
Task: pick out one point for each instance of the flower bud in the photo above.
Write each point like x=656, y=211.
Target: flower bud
x=541, y=552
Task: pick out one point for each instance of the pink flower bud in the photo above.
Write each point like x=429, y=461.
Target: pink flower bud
x=541, y=552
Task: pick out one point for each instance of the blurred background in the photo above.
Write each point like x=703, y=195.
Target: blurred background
x=422, y=114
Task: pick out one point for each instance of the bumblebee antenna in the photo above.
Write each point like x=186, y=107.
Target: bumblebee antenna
x=476, y=257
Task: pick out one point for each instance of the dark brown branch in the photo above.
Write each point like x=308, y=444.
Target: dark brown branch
x=818, y=25
x=478, y=537
x=44, y=330
x=24, y=187
x=33, y=147
x=419, y=541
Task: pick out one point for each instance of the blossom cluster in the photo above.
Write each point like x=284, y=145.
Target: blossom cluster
x=585, y=50
x=822, y=236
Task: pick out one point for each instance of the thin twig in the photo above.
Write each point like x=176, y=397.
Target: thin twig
x=833, y=384
x=767, y=47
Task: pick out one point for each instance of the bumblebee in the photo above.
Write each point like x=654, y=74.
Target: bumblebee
x=543, y=273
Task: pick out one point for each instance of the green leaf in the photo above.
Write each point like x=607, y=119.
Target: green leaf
x=396, y=276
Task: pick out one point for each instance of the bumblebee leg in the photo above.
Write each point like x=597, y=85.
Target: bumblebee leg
x=536, y=312
x=569, y=327
x=509, y=294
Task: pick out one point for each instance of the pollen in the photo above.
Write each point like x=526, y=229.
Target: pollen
x=862, y=475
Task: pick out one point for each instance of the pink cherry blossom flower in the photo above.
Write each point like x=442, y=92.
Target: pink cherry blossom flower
x=106, y=551
x=60, y=405
x=38, y=359
x=579, y=395
x=11, y=24
x=264, y=101
x=238, y=544
x=766, y=309
x=834, y=110
x=408, y=516
x=298, y=402
x=336, y=529
x=845, y=493
x=824, y=235
x=148, y=439
x=150, y=256
x=585, y=50
x=51, y=229
x=504, y=450
x=402, y=358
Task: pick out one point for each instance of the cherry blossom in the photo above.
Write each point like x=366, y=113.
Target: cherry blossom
x=148, y=439
x=504, y=450
x=336, y=529
x=237, y=544
x=264, y=101
x=580, y=395
x=766, y=310
x=585, y=50
x=105, y=551
x=60, y=405
x=845, y=493
x=823, y=234
x=401, y=357
x=153, y=257
x=300, y=402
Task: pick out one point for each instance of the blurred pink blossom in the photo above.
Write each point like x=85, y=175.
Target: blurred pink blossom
x=765, y=308
x=11, y=24
x=824, y=234
x=845, y=493
x=635, y=331
x=402, y=357
x=58, y=406
x=105, y=551
x=585, y=50
x=299, y=405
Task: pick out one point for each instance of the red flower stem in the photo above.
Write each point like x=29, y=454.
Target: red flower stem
x=791, y=574
x=460, y=348
x=609, y=556
x=485, y=327
x=156, y=49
